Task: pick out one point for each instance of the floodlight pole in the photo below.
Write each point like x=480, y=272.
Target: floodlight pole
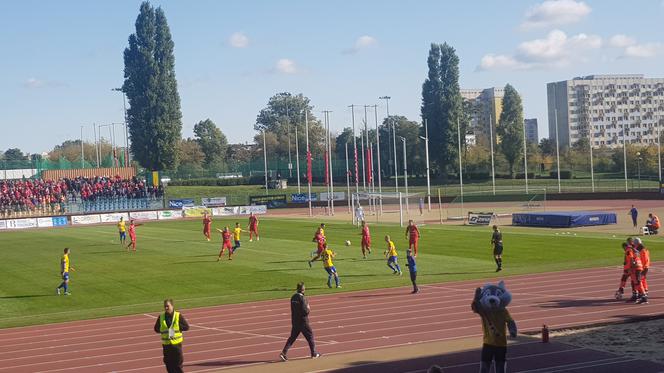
x=297, y=160
x=525, y=157
x=394, y=141
x=625, y=154
x=460, y=165
x=426, y=149
x=405, y=172
x=493, y=169
x=265, y=161
x=380, y=183
x=352, y=113
x=350, y=211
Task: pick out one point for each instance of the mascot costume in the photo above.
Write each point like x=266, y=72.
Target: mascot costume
x=490, y=302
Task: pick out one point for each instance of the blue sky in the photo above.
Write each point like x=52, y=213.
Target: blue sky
x=61, y=59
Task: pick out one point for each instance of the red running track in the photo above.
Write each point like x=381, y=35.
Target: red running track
x=254, y=333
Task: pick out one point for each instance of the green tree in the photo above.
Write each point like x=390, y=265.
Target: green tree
x=283, y=113
x=212, y=141
x=191, y=155
x=510, y=128
x=154, y=117
x=346, y=136
x=441, y=106
x=237, y=154
x=15, y=154
x=547, y=147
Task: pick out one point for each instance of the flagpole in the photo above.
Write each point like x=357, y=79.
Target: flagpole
x=592, y=171
x=297, y=160
x=555, y=118
x=265, y=161
x=625, y=154
x=350, y=211
x=364, y=154
x=380, y=182
x=659, y=153
x=329, y=146
x=306, y=126
x=357, y=185
x=426, y=149
x=525, y=157
x=493, y=169
x=460, y=165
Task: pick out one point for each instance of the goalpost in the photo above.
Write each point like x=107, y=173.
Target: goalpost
x=503, y=203
x=383, y=207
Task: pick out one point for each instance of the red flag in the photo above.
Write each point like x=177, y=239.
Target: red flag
x=327, y=170
x=357, y=171
x=369, y=165
x=309, y=167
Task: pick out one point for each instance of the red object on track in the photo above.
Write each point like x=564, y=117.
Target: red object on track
x=545, y=334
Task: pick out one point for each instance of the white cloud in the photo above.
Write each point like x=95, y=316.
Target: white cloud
x=631, y=48
x=500, y=61
x=555, y=13
x=33, y=83
x=363, y=42
x=238, y=40
x=644, y=50
x=286, y=66
x=621, y=41
x=555, y=50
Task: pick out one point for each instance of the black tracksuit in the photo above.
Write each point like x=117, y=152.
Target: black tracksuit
x=300, y=323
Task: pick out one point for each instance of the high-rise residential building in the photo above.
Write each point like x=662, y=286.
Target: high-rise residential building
x=485, y=106
x=532, y=135
x=607, y=109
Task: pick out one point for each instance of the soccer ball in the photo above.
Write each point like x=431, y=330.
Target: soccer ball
x=347, y=243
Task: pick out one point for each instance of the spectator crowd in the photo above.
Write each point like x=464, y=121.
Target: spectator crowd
x=52, y=196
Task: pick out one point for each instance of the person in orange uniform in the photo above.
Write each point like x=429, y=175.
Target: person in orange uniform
x=637, y=271
x=627, y=269
x=366, y=240
x=644, y=254
x=413, y=235
x=207, y=226
x=653, y=223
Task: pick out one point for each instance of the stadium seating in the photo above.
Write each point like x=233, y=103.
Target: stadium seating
x=35, y=197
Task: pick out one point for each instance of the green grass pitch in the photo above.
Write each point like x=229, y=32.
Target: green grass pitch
x=175, y=261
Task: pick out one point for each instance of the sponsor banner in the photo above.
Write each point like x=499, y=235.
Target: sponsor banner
x=21, y=223
x=225, y=211
x=246, y=210
x=196, y=211
x=114, y=217
x=59, y=221
x=143, y=215
x=180, y=203
x=44, y=222
x=169, y=214
x=214, y=201
x=3, y=224
x=480, y=218
x=337, y=196
x=274, y=201
x=303, y=197
x=85, y=219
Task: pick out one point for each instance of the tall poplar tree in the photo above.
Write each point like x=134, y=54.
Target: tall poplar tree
x=154, y=117
x=510, y=127
x=441, y=106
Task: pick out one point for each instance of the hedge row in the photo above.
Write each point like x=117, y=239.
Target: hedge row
x=253, y=180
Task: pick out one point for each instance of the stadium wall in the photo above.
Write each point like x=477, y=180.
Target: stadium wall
x=112, y=218
x=123, y=172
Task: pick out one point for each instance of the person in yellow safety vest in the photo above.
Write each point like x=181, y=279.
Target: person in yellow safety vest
x=170, y=325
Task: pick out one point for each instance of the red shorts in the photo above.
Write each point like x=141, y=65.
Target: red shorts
x=413, y=240
x=253, y=228
x=132, y=238
x=227, y=245
x=320, y=250
x=206, y=229
x=366, y=241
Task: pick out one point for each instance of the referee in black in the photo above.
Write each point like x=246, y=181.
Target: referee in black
x=497, y=242
x=300, y=323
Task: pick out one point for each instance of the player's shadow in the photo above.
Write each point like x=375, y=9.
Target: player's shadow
x=288, y=261
x=455, y=273
x=197, y=261
x=571, y=303
x=228, y=363
x=27, y=296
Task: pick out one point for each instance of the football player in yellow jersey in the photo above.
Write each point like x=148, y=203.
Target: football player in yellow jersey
x=327, y=257
x=122, y=230
x=236, y=236
x=65, y=267
x=391, y=255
